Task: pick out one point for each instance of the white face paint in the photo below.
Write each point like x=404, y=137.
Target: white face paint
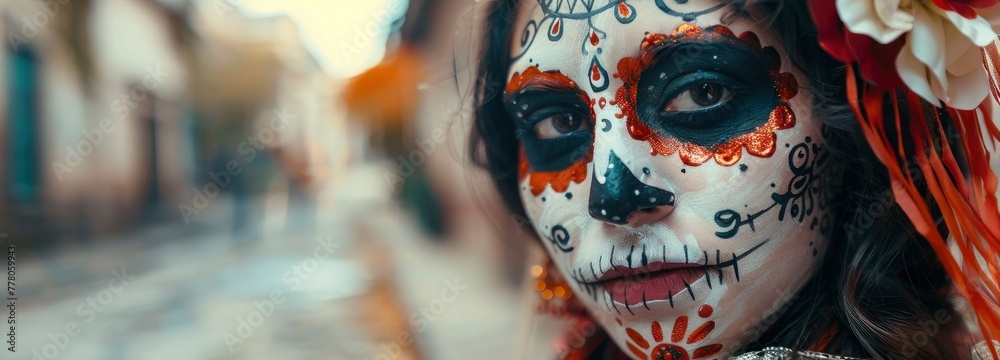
x=667, y=175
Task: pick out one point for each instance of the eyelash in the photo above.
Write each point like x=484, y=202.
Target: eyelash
x=685, y=82
x=557, y=153
x=526, y=129
x=693, y=118
x=751, y=97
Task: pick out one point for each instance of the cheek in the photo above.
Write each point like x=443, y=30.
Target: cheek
x=553, y=212
x=785, y=199
x=763, y=195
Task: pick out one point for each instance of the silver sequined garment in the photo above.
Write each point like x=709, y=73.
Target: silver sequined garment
x=780, y=353
x=979, y=352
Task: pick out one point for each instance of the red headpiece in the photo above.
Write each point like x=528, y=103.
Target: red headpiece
x=942, y=52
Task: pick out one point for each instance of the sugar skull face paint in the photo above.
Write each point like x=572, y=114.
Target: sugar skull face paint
x=682, y=190
x=751, y=102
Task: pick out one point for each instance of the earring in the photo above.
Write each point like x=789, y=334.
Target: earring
x=557, y=298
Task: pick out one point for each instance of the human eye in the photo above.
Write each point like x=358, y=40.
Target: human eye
x=706, y=93
x=560, y=124
x=702, y=95
x=555, y=127
x=699, y=100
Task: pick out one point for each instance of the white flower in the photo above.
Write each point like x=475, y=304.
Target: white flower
x=881, y=20
x=941, y=59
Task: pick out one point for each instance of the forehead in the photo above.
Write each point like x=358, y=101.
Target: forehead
x=585, y=39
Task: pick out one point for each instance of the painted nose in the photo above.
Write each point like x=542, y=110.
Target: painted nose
x=624, y=199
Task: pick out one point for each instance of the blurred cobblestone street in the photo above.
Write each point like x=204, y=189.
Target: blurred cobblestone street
x=197, y=292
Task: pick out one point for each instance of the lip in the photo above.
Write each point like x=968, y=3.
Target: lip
x=653, y=282
x=657, y=280
x=653, y=267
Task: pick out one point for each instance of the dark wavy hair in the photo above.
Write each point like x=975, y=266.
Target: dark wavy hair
x=880, y=292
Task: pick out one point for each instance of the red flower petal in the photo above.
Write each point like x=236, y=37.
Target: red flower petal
x=831, y=29
x=966, y=8
x=877, y=61
x=978, y=4
x=944, y=5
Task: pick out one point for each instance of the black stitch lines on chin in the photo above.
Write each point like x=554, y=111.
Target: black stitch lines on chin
x=593, y=287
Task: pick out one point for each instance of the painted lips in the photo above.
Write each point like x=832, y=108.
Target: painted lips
x=655, y=281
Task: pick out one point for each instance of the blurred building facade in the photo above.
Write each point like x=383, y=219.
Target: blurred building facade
x=120, y=113
x=88, y=114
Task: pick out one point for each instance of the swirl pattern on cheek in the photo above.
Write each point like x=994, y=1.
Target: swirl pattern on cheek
x=760, y=142
x=560, y=239
x=804, y=193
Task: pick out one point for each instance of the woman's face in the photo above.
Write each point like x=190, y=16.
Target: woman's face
x=670, y=164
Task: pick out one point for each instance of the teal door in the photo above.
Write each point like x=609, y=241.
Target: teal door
x=23, y=169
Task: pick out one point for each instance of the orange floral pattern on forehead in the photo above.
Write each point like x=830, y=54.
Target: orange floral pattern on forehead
x=576, y=173
x=762, y=142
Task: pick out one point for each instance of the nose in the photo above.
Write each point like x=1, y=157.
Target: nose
x=624, y=199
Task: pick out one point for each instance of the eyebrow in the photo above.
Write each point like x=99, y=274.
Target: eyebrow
x=533, y=78
x=688, y=33
x=737, y=9
x=655, y=45
x=533, y=88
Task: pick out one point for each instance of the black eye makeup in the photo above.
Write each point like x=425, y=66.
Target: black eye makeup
x=700, y=96
x=706, y=91
x=559, y=124
x=555, y=123
x=705, y=94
